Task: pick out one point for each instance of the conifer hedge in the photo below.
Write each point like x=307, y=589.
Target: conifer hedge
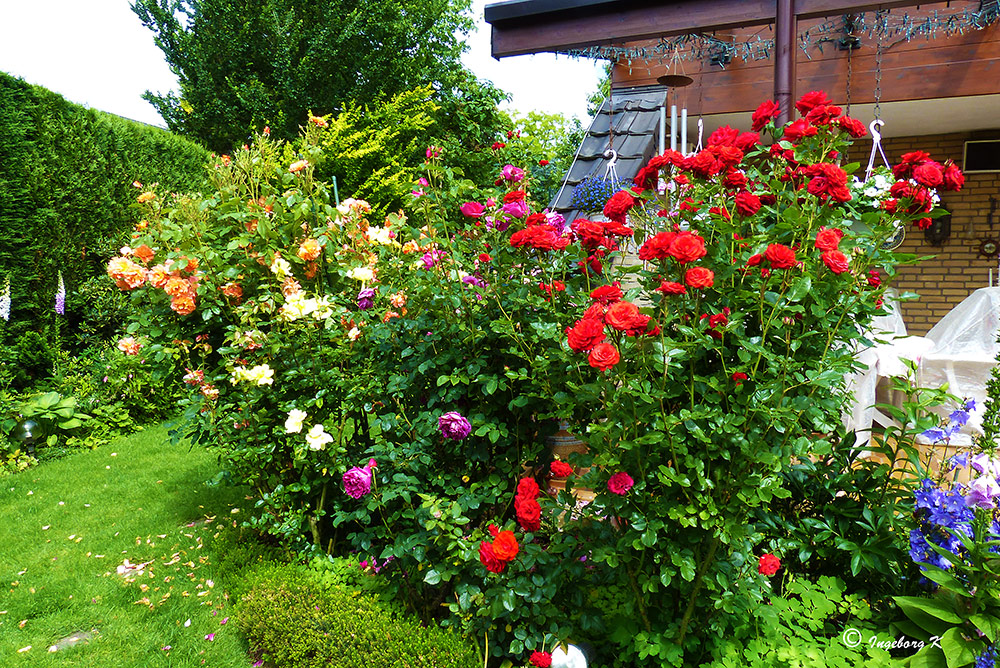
x=66, y=197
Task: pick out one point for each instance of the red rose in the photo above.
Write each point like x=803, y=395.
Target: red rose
x=543, y=162
x=527, y=488
x=514, y=196
x=828, y=239
x=874, y=278
x=823, y=114
x=923, y=223
x=620, y=483
x=754, y=260
x=591, y=233
x=621, y=315
x=747, y=204
x=606, y=294
x=489, y=558
x=724, y=136
x=595, y=311
x=734, y=180
x=585, y=334
x=768, y=565
x=728, y=156
x=718, y=320
x=780, y=257
x=929, y=174
x=540, y=659
x=811, y=100
x=747, y=141
x=699, y=277
x=603, y=356
x=827, y=180
x=764, y=114
x=485, y=257
x=657, y=247
x=529, y=515
x=852, y=126
x=539, y=237
x=836, y=261
x=687, y=247
x=619, y=205
x=798, y=130
x=953, y=177
x=560, y=469
x=671, y=288
x=505, y=546
x=739, y=377
x=704, y=164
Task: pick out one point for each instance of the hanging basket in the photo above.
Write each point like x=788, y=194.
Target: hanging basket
x=594, y=191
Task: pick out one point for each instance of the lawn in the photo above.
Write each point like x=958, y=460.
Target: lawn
x=68, y=527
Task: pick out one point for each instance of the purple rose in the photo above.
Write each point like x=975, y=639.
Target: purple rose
x=358, y=481
x=512, y=174
x=366, y=299
x=518, y=208
x=454, y=426
x=472, y=209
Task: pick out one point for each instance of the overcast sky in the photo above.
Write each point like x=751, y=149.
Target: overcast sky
x=97, y=53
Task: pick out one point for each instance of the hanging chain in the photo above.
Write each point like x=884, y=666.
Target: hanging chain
x=881, y=24
x=849, y=75
x=611, y=119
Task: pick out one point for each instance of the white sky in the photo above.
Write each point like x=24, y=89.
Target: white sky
x=97, y=53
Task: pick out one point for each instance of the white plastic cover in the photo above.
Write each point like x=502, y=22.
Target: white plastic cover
x=965, y=351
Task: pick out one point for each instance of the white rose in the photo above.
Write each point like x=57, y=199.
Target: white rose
x=317, y=438
x=293, y=425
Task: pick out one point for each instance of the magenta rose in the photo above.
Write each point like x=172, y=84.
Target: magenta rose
x=454, y=426
x=620, y=483
x=517, y=208
x=512, y=174
x=472, y=209
x=358, y=481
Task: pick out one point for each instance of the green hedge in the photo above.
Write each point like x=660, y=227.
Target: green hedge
x=66, y=192
x=293, y=621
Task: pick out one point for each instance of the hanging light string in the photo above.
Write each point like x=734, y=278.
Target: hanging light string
x=894, y=28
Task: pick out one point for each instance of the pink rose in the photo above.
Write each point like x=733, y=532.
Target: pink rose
x=518, y=208
x=620, y=483
x=472, y=209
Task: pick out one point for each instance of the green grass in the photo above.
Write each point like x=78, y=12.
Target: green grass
x=67, y=525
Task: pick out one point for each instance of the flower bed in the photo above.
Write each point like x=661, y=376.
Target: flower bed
x=442, y=344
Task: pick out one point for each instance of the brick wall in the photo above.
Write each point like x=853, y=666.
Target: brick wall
x=956, y=269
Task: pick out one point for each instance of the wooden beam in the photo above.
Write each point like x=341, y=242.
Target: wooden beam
x=632, y=20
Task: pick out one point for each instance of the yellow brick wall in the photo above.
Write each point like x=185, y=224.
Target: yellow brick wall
x=956, y=269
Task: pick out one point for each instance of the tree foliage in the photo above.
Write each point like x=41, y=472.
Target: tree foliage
x=246, y=63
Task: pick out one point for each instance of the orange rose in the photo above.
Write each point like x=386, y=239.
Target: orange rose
x=309, y=250
x=177, y=286
x=144, y=253
x=505, y=546
x=127, y=274
x=183, y=304
x=159, y=275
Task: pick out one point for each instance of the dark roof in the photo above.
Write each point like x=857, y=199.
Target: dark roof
x=636, y=121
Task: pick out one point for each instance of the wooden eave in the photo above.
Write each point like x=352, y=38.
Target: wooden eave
x=536, y=26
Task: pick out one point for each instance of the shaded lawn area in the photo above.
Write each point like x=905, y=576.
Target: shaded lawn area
x=68, y=525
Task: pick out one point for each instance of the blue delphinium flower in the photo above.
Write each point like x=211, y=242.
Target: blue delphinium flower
x=941, y=514
x=987, y=658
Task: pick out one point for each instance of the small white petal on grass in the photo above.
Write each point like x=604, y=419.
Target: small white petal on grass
x=187, y=623
x=24, y=649
x=46, y=527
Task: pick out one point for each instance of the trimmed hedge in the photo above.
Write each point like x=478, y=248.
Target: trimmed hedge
x=292, y=621
x=66, y=192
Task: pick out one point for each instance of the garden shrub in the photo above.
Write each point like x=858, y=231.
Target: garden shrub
x=291, y=621
x=66, y=195
x=386, y=385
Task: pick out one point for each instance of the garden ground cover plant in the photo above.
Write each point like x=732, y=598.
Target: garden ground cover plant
x=386, y=386
x=72, y=524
